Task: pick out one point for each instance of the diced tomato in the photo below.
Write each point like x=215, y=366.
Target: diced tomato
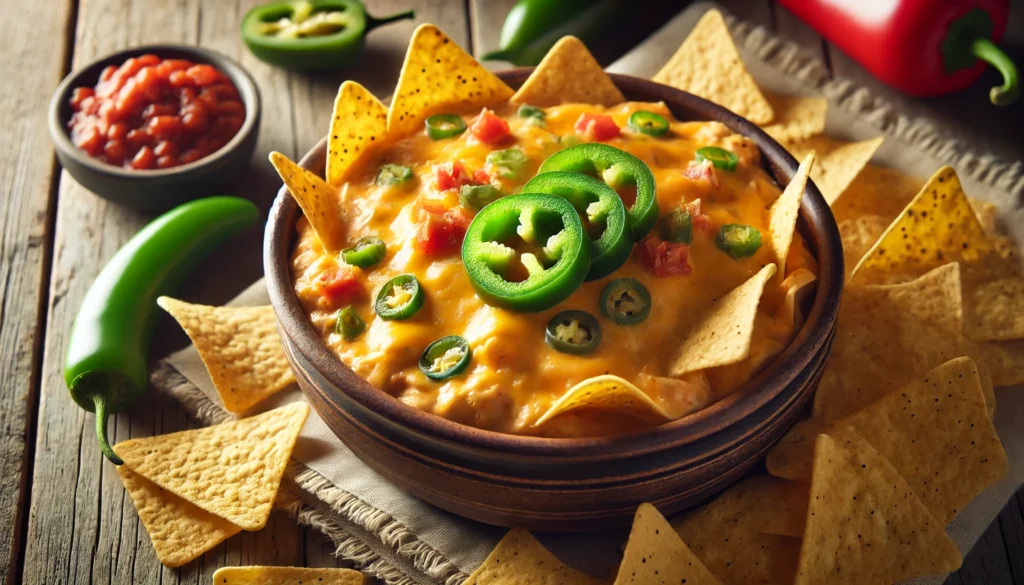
x=481, y=177
x=702, y=171
x=441, y=233
x=339, y=286
x=700, y=221
x=451, y=175
x=488, y=128
x=663, y=259
x=599, y=127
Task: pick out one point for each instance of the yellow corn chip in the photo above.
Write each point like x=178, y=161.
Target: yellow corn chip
x=358, y=126
x=319, y=202
x=796, y=117
x=708, y=64
x=232, y=470
x=180, y=532
x=606, y=393
x=722, y=336
x=240, y=348
x=859, y=235
x=656, y=554
x=568, y=74
x=837, y=163
x=739, y=555
x=935, y=431
x=995, y=310
x=876, y=191
x=286, y=576
x=864, y=523
x=437, y=76
x=889, y=335
x=783, y=213
x=761, y=503
x=799, y=286
x=520, y=560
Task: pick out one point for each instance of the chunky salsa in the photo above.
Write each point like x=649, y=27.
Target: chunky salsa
x=500, y=257
x=153, y=113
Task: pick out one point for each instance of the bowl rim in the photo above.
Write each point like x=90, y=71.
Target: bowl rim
x=82, y=76
x=813, y=336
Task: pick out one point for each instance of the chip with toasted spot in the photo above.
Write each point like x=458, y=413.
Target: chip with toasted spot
x=519, y=559
x=796, y=117
x=240, y=348
x=359, y=126
x=180, y=532
x=935, y=431
x=876, y=191
x=232, y=470
x=568, y=74
x=707, y=64
x=723, y=334
x=738, y=554
x=837, y=162
x=286, y=576
x=656, y=554
x=319, y=202
x=859, y=235
x=438, y=76
x=606, y=393
x=784, y=211
x=864, y=522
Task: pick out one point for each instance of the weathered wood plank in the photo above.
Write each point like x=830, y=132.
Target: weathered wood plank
x=27, y=184
x=1011, y=523
x=987, y=562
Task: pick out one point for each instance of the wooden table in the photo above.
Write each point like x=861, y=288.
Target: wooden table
x=64, y=516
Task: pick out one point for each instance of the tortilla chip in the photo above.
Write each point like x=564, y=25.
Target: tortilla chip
x=761, y=503
x=240, y=348
x=707, y=64
x=606, y=393
x=358, y=126
x=796, y=117
x=889, y=335
x=439, y=76
x=656, y=554
x=936, y=432
x=799, y=286
x=319, y=202
x=568, y=74
x=286, y=576
x=232, y=470
x=864, y=523
x=180, y=532
x=859, y=235
x=738, y=555
x=995, y=310
x=876, y=191
x=783, y=213
x=837, y=162
x=520, y=560
x=722, y=336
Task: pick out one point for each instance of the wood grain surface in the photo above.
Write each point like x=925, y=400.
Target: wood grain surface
x=64, y=516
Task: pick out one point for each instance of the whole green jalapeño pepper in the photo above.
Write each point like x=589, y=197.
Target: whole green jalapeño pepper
x=619, y=169
x=526, y=252
x=611, y=240
x=105, y=364
x=308, y=35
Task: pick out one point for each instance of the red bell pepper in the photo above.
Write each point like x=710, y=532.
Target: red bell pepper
x=921, y=47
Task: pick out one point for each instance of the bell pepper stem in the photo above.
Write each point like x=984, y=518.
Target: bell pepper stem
x=987, y=51
x=100, y=404
x=372, y=23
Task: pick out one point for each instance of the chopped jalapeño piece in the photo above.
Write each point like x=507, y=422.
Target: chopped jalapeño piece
x=476, y=197
x=349, y=325
x=738, y=241
x=535, y=116
x=441, y=126
x=720, y=158
x=392, y=174
x=445, y=357
x=648, y=123
x=677, y=227
x=508, y=163
x=367, y=252
x=574, y=332
x=399, y=299
x=626, y=301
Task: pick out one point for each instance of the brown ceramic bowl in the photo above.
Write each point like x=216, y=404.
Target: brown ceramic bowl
x=567, y=484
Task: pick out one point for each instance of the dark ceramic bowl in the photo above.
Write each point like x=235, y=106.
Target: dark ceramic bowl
x=568, y=484
x=157, y=190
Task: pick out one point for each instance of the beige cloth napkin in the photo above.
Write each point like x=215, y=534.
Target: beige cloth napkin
x=403, y=540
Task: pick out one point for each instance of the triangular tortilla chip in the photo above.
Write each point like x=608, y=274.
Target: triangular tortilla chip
x=606, y=393
x=761, y=503
x=889, y=335
x=358, y=127
x=437, y=76
x=864, y=523
x=837, y=162
x=286, y=576
x=876, y=191
x=319, y=202
x=520, y=560
x=707, y=64
x=240, y=348
x=738, y=554
x=180, y=532
x=232, y=470
x=994, y=310
x=656, y=554
x=935, y=431
x=568, y=74
x=796, y=117
x=859, y=235
x=783, y=213
x=722, y=335
x=799, y=285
